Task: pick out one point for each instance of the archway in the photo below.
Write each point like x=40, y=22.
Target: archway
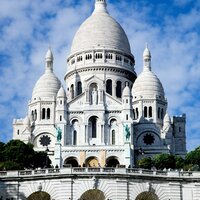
x=71, y=161
x=112, y=162
x=39, y=196
x=93, y=194
x=92, y=162
x=147, y=196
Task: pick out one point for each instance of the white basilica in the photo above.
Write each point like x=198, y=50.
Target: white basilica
x=108, y=115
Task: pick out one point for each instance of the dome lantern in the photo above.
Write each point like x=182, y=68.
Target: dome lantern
x=100, y=6
x=147, y=59
x=49, y=60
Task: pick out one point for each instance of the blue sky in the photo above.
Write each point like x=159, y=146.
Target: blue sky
x=171, y=28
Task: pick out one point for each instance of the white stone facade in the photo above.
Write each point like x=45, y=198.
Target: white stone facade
x=108, y=116
x=113, y=183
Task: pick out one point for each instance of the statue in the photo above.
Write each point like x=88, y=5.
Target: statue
x=59, y=134
x=127, y=132
x=94, y=96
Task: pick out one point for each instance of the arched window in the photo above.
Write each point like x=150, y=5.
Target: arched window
x=72, y=91
x=35, y=115
x=119, y=89
x=60, y=118
x=150, y=111
x=145, y=111
x=113, y=137
x=48, y=113
x=32, y=116
x=93, y=127
x=43, y=113
x=162, y=113
x=133, y=113
x=158, y=113
x=137, y=113
x=75, y=138
x=79, y=88
x=109, y=86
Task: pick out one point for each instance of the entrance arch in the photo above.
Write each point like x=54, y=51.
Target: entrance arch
x=92, y=162
x=39, y=196
x=147, y=196
x=93, y=194
x=112, y=162
x=71, y=161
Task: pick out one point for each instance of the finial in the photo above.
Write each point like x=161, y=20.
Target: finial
x=49, y=60
x=147, y=58
x=100, y=6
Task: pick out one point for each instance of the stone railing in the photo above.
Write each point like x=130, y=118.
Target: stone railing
x=83, y=170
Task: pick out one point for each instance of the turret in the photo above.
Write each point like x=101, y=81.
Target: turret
x=127, y=103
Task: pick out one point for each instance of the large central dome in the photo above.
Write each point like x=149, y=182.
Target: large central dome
x=100, y=31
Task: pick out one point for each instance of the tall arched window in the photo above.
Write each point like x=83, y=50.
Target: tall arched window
x=109, y=86
x=75, y=138
x=145, y=111
x=93, y=127
x=119, y=89
x=150, y=111
x=32, y=116
x=133, y=113
x=158, y=113
x=113, y=137
x=162, y=113
x=72, y=91
x=48, y=113
x=137, y=113
x=43, y=113
x=79, y=88
x=35, y=115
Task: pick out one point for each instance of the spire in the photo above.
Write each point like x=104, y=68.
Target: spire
x=100, y=6
x=49, y=60
x=147, y=59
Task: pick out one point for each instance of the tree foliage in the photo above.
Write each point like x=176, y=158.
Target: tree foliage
x=16, y=155
x=162, y=161
x=145, y=162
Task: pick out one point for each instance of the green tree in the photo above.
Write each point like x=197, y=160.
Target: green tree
x=193, y=157
x=180, y=162
x=2, y=147
x=16, y=155
x=145, y=162
x=162, y=161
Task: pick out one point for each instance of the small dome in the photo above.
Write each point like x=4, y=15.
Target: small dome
x=148, y=85
x=100, y=31
x=126, y=91
x=61, y=92
x=47, y=86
